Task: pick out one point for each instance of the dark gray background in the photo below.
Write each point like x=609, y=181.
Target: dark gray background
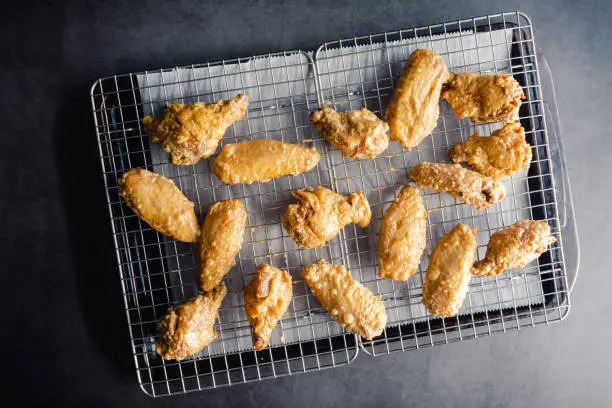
x=64, y=332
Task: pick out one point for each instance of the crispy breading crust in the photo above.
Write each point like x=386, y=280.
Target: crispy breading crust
x=349, y=302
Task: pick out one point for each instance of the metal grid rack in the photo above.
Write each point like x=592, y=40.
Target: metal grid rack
x=282, y=88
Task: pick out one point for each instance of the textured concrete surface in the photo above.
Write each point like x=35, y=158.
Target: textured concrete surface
x=64, y=333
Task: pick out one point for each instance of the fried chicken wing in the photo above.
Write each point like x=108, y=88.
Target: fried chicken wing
x=186, y=329
x=349, y=302
x=262, y=160
x=414, y=108
x=448, y=274
x=266, y=300
x=402, y=237
x=192, y=132
x=158, y=202
x=475, y=189
x=483, y=98
x=502, y=154
x=514, y=247
x=320, y=213
x=220, y=241
x=357, y=134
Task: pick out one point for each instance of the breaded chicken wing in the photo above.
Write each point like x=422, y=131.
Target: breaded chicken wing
x=266, y=300
x=262, y=160
x=357, y=134
x=502, y=154
x=414, y=108
x=158, y=202
x=220, y=241
x=475, y=189
x=192, y=132
x=320, y=213
x=186, y=329
x=448, y=274
x=349, y=302
x=403, y=235
x=514, y=247
x=483, y=98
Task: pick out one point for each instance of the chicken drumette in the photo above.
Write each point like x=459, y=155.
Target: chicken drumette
x=320, y=213
x=157, y=201
x=475, y=189
x=266, y=300
x=414, y=107
x=262, y=160
x=186, y=329
x=192, y=132
x=448, y=274
x=357, y=134
x=349, y=302
x=483, y=98
x=220, y=241
x=514, y=247
x=502, y=154
x=402, y=237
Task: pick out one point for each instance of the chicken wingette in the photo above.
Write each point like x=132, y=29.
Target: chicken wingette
x=403, y=235
x=349, y=302
x=263, y=160
x=159, y=202
x=514, y=247
x=483, y=98
x=414, y=107
x=502, y=154
x=220, y=241
x=448, y=274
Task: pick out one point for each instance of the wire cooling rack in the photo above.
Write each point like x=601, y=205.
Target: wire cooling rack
x=283, y=88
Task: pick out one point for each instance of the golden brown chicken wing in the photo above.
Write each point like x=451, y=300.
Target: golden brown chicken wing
x=448, y=274
x=357, y=134
x=158, y=202
x=263, y=160
x=192, y=132
x=402, y=237
x=320, y=213
x=266, y=300
x=349, y=302
x=220, y=241
x=483, y=98
x=475, y=189
x=502, y=154
x=186, y=329
x=414, y=108
x=514, y=247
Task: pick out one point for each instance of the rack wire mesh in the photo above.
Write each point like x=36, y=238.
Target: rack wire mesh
x=283, y=88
